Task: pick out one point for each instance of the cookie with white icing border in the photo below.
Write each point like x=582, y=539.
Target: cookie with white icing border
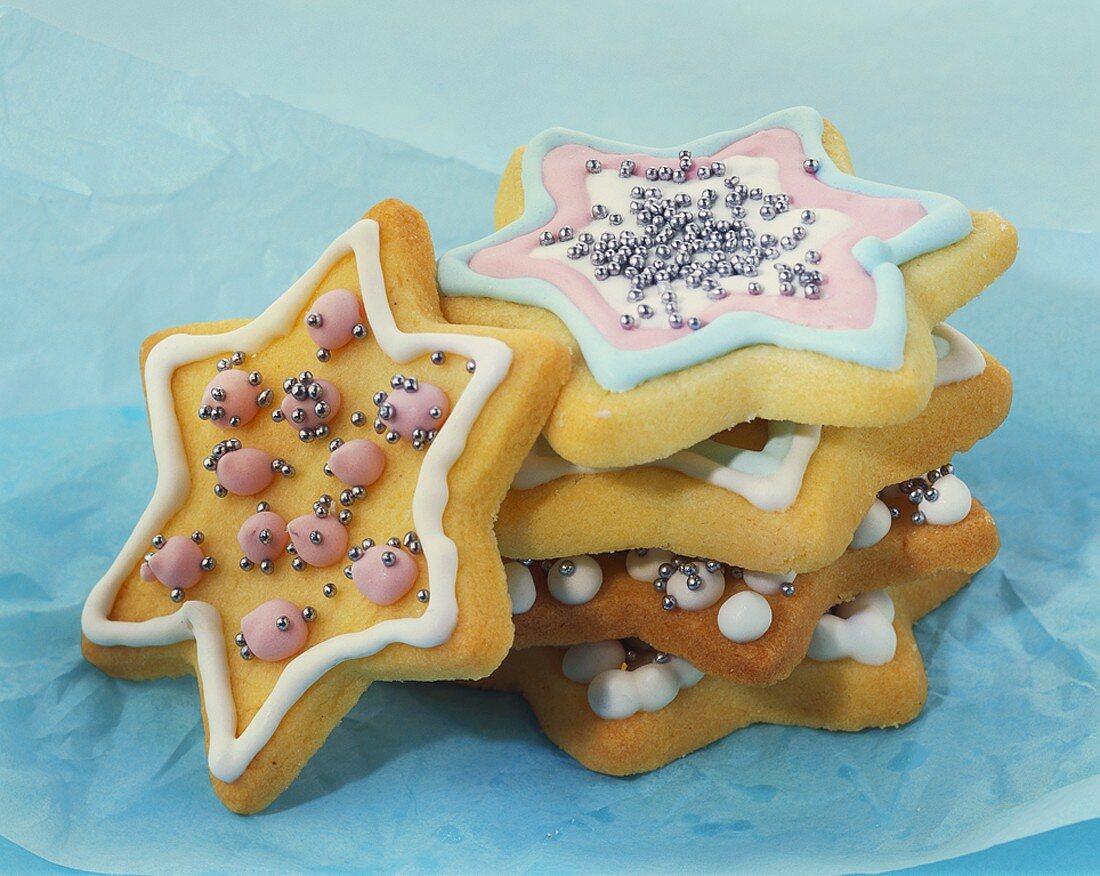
x=673, y=719
x=348, y=412
x=771, y=496
x=749, y=627
x=721, y=329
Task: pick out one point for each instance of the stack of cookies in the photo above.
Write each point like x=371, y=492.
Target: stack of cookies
x=668, y=454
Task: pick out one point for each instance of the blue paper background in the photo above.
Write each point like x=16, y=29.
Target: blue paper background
x=133, y=197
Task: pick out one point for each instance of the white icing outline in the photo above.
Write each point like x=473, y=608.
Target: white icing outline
x=774, y=491
x=963, y=360
x=768, y=491
x=229, y=755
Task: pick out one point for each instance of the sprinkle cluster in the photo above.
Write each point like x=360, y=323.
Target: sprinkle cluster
x=919, y=490
x=696, y=243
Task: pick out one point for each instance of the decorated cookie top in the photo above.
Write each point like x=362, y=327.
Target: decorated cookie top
x=322, y=527
x=659, y=259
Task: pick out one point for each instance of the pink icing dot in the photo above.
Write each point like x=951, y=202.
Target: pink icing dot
x=410, y=410
x=249, y=536
x=239, y=401
x=147, y=573
x=357, y=463
x=177, y=564
x=263, y=636
x=331, y=546
x=382, y=584
x=246, y=471
x=310, y=420
x=339, y=311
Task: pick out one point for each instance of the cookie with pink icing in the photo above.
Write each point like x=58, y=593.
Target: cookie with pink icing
x=177, y=562
x=752, y=258
x=276, y=630
x=233, y=397
x=411, y=409
x=335, y=319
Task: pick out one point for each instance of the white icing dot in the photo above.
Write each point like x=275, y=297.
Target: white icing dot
x=952, y=505
x=709, y=592
x=618, y=693
x=861, y=630
x=767, y=583
x=584, y=662
x=745, y=617
x=874, y=526
x=521, y=587
x=643, y=567
x=580, y=586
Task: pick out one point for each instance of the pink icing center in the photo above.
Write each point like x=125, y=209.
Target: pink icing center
x=339, y=311
x=382, y=584
x=357, y=463
x=330, y=395
x=240, y=397
x=177, y=564
x=333, y=539
x=262, y=634
x=411, y=409
x=249, y=536
x=246, y=471
x=850, y=299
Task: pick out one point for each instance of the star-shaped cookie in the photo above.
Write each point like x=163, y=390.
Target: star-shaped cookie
x=620, y=708
x=328, y=473
x=774, y=497
x=747, y=274
x=744, y=626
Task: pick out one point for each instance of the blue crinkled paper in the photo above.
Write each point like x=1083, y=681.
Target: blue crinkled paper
x=133, y=198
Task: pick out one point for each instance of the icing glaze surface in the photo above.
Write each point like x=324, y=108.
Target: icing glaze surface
x=574, y=580
x=745, y=616
x=615, y=694
x=868, y=230
x=521, y=587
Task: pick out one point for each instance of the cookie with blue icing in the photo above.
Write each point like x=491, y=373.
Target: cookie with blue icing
x=748, y=274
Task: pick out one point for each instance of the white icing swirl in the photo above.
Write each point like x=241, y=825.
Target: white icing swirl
x=957, y=357
x=521, y=587
x=584, y=662
x=578, y=586
x=874, y=526
x=861, y=630
x=745, y=617
x=619, y=693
